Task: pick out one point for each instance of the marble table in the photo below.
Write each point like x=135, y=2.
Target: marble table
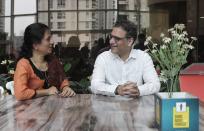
x=81, y=113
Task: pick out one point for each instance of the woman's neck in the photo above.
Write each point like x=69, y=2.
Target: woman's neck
x=38, y=58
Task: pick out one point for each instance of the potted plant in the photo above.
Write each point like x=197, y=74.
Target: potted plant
x=7, y=76
x=174, y=110
x=80, y=87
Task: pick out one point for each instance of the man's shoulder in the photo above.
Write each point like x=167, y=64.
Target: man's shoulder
x=105, y=54
x=104, y=57
x=140, y=53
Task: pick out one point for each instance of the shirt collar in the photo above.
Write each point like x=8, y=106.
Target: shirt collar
x=133, y=55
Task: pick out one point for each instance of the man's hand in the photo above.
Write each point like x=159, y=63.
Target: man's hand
x=52, y=90
x=129, y=88
x=67, y=92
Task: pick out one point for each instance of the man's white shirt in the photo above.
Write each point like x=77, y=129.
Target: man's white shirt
x=110, y=71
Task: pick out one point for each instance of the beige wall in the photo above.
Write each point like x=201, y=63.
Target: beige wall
x=159, y=22
x=150, y=2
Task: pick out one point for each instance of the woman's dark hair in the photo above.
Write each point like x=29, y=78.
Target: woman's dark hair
x=34, y=33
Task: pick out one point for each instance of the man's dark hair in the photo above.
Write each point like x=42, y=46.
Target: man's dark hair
x=129, y=27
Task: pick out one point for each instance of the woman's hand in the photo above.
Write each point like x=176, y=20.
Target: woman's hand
x=52, y=90
x=67, y=92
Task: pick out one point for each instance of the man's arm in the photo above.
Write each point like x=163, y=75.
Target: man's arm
x=98, y=84
x=151, y=81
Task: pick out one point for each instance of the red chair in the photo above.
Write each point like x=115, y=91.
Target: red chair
x=192, y=80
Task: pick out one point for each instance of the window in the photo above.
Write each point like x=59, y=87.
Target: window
x=61, y=15
x=87, y=3
x=51, y=3
x=29, y=8
x=5, y=28
x=61, y=25
x=122, y=7
x=51, y=15
x=87, y=25
x=61, y=35
x=42, y=5
x=23, y=21
x=61, y=3
x=51, y=25
x=43, y=18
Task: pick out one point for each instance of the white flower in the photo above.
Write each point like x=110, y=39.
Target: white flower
x=194, y=38
x=181, y=52
x=181, y=37
x=10, y=61
x=166, y=40
x=170, y=30
x=175, y=34
x=176, y=26
x=161, y=73
x=179, y=43
x=154, y=51
x=149, y=38
x=4, y=62
x=162, y=79
x=185, y=33
x=154, y=45
x=186, y=46
x=190, y=47
x=11, y=71
x=146, y=43
x=162, y=35
x=163, y=76
x=186, y=39
x=163, y=46
x=181, y=26
x=147, y=50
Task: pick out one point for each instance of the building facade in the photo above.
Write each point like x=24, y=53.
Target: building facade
x=71, y=18
x=2, y=13
x=86, y=19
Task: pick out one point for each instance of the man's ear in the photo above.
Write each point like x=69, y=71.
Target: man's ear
x=130, y=42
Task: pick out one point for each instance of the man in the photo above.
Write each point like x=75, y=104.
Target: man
x=123, y=70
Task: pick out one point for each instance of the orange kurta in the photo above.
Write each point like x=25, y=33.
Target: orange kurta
x=26, y=82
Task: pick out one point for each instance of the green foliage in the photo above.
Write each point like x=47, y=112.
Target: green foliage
x=171, y=53
x=67, y=67
x=4, y=78
x=81, y=86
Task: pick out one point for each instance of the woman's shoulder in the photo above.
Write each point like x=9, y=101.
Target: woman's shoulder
x=23, y=62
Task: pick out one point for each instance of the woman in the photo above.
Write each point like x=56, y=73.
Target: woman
x=38, y=73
